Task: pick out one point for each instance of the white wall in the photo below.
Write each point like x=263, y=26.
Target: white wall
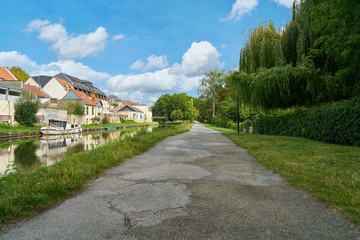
x=54, y=89
x=146, y=111
x=32, y=82
x=5, y=111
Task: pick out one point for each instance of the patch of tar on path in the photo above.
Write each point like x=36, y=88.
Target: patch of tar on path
x=150, y=203
x=246, y=178
x=196, y=152
x=168, y=171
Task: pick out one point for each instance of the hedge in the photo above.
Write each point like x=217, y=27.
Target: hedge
x=337, y=122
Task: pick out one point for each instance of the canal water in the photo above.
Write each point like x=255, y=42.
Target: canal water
x=47, y=150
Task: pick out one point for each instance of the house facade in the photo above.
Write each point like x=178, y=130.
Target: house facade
x=93, y=107
x=129, y=112
x=145, y=109
x=10, y=93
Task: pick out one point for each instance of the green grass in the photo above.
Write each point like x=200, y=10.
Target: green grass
x=329, y=172
x=25, y=194
x=116, y=124
x=9, y=128
x=220, y=129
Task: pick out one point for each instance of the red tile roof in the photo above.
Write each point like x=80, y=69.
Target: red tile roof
x=63, y=82
x=37, y=91
x=6, y=74
x=86, y=98
x=127, y=102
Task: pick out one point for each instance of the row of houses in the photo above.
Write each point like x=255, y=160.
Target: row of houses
x=54, y=91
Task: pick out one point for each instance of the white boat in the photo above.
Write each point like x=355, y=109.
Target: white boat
x=57, y=127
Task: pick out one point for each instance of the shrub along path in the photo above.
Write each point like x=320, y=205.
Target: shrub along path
x=196, y=185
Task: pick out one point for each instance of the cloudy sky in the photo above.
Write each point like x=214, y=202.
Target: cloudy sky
x=137, y=49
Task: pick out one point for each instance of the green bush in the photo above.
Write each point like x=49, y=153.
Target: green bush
x=25, y=112
x=337, y=122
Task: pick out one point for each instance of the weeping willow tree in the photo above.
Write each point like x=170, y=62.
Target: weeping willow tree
x=289, y=39
x=290, y=67
x=262, y=50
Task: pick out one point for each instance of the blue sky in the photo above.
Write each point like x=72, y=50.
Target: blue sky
x=137, y=49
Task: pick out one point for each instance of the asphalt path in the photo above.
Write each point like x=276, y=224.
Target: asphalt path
x=196, y=185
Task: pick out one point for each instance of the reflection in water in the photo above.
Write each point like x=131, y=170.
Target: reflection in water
x=25, y=156
x=50, y=149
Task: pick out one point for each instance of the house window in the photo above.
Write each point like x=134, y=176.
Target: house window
x=87, y=110
x=92, y=110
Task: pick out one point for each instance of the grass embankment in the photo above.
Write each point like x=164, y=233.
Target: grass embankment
x=329, y=172
x=25, y=194
x=9, y=128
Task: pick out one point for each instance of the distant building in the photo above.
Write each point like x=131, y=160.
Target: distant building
x=41, y=95
x=129, y=112
x=114, y=99
x=93, y=107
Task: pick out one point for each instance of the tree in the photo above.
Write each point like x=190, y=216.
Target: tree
x=26, y=108
x=212, y=85
x=167, y=103
x=75, y=108
x=19, y=73
x=176, y=115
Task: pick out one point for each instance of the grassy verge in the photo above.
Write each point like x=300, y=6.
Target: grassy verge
x=220, y=129
x=329, y=172
x=9, y=128
x=24, y=194
x=115, y=124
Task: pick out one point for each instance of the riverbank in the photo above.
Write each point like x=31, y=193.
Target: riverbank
x=9, y=133
x=24, y=194
x=327, y=171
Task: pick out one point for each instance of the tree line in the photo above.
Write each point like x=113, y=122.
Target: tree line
x=312, y=60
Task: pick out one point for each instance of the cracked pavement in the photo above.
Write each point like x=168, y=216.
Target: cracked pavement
x=196, y=185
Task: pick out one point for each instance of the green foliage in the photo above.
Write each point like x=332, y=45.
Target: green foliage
x=314, y=59
x=337, y=122
x=26, y=109
x=176, y=115
x=167, y=103
x=262, y=49
x=25, y=113
x=95, y=120
x=105, y=120
x=19, y=73
x=212, y=87
x=75, y=108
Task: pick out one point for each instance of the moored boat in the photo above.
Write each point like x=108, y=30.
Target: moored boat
x=57, y=127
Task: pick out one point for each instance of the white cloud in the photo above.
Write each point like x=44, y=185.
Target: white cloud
x=118, y=37
x=69, y=46
x=137, y=65
x=36, y=24
x=71, y=67
x=52, y=32
x=240, y=8
x=14, y=58
x=148, y=82
x=223, y=46
x=198, y=59
x=136, y=96
x=285, y=3
x=153, y=99
x=152, y=62
x=82, y=45
x=184, y=77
